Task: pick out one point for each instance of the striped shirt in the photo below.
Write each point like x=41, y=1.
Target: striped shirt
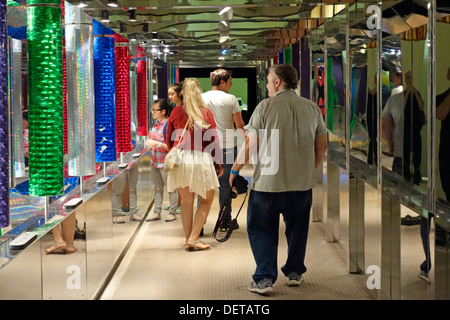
x=157, y=133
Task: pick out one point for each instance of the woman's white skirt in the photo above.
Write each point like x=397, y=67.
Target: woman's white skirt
x=195, y=171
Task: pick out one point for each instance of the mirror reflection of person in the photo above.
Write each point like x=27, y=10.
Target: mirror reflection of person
x=402, y=120
x=442, y=112
x=118, y=186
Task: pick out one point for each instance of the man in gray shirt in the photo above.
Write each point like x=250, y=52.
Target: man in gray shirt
x=286, y=137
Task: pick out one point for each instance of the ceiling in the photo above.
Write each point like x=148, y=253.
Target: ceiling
x=191, y=30
x=252, y=30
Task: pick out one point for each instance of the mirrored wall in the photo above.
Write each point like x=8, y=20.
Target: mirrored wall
x=384, y=89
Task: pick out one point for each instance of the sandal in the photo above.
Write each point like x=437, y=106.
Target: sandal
x=196, y=245
x=69, y=249
x=57, y=248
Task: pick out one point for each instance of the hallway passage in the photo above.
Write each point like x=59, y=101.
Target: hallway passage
x=156, y=266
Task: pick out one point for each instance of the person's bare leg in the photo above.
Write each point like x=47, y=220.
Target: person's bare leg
x=58, y=244
x=68, y=231
x=187, y=210
x=199, y=220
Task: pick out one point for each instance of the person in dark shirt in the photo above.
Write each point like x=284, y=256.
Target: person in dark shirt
x=442, y=110
x=413, y=122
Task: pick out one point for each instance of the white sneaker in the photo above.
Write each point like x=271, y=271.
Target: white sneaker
x=424, y=276
x=295, y=279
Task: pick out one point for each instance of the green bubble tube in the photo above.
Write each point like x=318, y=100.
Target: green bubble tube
x=46, y=140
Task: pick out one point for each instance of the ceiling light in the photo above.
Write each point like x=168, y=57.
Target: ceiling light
x=224, y=10
x=132, y=15
x=166, y=50
x=112, y=3
x=82, y=4
x=105, y=16
x=224, y=51
x=223, y=39
x=221, y=58
x=224, y=23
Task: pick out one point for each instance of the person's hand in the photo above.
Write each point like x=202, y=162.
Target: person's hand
x=232, y=177
x=150, y=143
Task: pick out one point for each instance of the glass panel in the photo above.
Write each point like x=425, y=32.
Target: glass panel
x=442, y=147
x=363, y=102
x=405, y=81
x=335, y=77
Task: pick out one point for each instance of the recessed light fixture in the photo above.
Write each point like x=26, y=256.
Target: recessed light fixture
x=82, y=4
x=105, y=16
x=132, y=15
x=224, y=10
x=112, y=3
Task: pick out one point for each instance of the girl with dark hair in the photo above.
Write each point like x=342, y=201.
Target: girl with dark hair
x=157, y=145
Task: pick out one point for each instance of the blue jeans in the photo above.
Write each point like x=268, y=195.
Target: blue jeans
x=229, y=156
x=263, y=219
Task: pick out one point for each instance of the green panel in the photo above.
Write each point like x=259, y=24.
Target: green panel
x=288, y=55
x=35, y=2
x=45, y=101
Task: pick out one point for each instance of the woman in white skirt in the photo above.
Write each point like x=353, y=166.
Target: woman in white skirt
x=192, y=129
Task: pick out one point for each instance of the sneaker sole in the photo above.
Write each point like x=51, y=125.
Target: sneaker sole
x=295, y=283
x=261, y=291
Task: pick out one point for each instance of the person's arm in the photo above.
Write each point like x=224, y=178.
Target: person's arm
x=320, y=146
x=249, y=148
x=419, y=99
x=239, y=123
x=386, y=133
x=443, y=108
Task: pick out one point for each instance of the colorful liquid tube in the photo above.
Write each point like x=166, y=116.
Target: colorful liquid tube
x=16, y=129
x=123, y=104
x=105, y=93
x=4, y=131
x=142, y=93
x=80, y=92
x=46, y=144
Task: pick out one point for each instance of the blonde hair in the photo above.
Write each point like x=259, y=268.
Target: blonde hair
x=193, y=102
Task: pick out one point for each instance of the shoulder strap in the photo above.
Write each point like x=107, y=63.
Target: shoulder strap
x=181, y=137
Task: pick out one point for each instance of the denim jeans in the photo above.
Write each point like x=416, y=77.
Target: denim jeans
x=118, y=186
x=159, y=178
x=229, y=156
x=425, y=236
x=263, y=217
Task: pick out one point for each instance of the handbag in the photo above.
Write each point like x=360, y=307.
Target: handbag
x=174, y=156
